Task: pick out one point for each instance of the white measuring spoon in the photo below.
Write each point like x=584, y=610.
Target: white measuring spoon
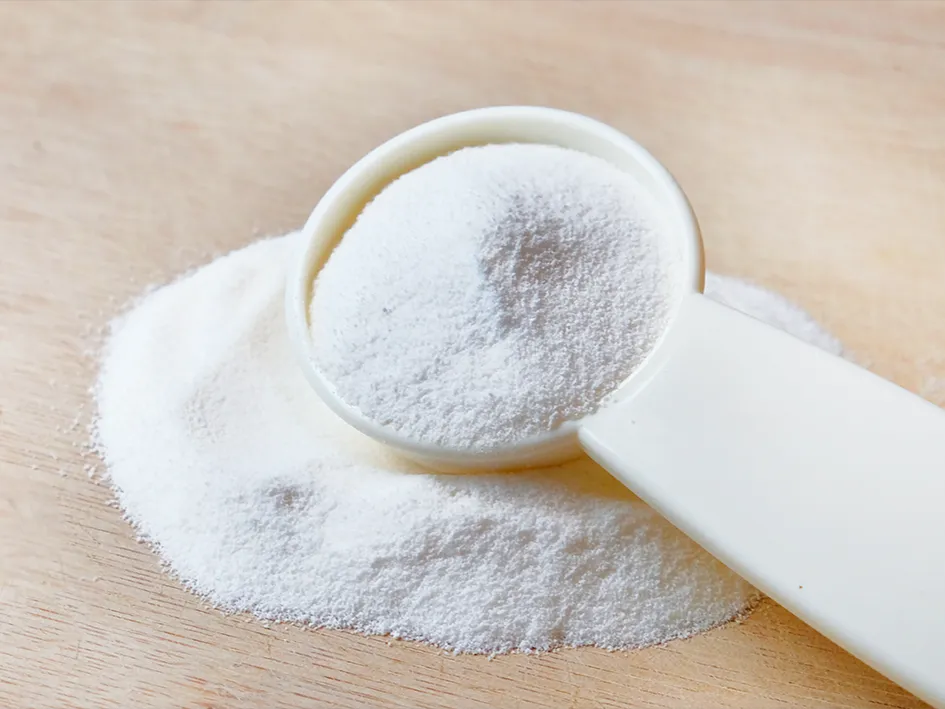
x=819, y=482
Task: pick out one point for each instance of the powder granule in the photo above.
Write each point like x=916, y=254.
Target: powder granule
x=259, y=499
x=492, y=294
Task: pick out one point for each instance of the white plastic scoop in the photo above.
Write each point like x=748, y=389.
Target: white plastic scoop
x=819, y=482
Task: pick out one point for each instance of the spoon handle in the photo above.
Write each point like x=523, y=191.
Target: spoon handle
x=818, y=481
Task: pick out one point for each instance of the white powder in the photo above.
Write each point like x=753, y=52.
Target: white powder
x=492, y=294
x=260, y=500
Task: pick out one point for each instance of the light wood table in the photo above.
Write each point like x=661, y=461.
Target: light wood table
x=139, y=139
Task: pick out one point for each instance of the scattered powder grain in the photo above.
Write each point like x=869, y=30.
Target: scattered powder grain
x=260, y=500
x=492, y=294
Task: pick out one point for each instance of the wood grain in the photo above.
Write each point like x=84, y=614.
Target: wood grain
x=138, y=139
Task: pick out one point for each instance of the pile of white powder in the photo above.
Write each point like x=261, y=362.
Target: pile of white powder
x=492, y=294
x=261, y=500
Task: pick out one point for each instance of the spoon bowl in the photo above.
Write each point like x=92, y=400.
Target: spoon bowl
x=340, y=206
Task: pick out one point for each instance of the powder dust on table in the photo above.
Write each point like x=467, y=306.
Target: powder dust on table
x=259, y=499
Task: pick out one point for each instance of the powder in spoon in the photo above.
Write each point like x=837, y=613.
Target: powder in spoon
x=259, y=499
x=492, y=294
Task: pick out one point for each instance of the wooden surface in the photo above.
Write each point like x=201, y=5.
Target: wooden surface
x=138, y=139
